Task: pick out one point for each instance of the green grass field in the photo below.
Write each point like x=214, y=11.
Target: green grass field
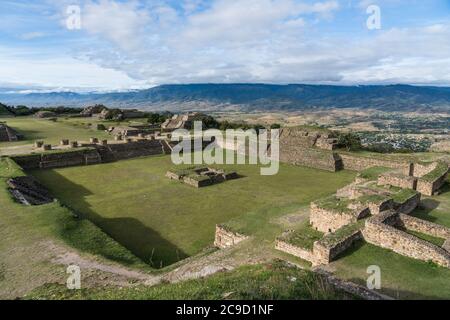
x=51, y=132
x=163, y=221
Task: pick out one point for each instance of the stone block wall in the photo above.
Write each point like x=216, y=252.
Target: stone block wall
x=327, y=221
x=324, y=253
x=426, y=227
x=28, y=162
x=355, y=163
x=429, y=188
x=423, y=169
x=7, y=134
x=296, y=251
x=134, y=149
x=313, y=158
x=379, y=231
x=61, y=160
x=378, y=207
x=226, y=238
x=397, y=180
x=299, y=147
x=409, y=205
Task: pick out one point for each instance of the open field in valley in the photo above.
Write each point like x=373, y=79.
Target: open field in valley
x=163, y=221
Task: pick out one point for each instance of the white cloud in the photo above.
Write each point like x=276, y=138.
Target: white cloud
x=120, y=23
x=32, y=35
x=277, y=41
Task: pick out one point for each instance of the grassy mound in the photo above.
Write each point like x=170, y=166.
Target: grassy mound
x=275, y=281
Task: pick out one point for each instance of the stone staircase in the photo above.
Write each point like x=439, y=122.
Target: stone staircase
x=28, y=191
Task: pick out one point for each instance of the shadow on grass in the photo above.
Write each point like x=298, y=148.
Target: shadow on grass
x=426, y=206
x=144, y=242
x=446, y=188
x=30, y=135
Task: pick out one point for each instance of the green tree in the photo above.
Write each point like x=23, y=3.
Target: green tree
x=349, y=141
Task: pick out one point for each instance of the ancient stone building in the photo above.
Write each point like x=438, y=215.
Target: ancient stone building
x=226, y=238
x=301, y=147
x=28, y=191
x=201, y=177
x=425, y=178
x=8, y=134
x=345, y=219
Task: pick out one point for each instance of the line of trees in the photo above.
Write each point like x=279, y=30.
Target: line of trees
x=22, y=110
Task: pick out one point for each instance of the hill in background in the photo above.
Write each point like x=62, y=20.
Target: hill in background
x=250, y=97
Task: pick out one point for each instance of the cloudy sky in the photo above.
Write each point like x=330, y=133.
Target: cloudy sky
x=139, y=44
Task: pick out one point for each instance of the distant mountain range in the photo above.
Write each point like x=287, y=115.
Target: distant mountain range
x=250, y=97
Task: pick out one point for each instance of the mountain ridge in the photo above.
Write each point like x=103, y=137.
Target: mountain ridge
x=251, y=97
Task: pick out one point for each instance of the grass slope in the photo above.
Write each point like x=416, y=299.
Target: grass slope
x=274, y=281
x=27, y=234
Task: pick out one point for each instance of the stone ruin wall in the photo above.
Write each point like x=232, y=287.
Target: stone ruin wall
x=326, y=220
x=377, y=208
x=98, y=154
x=379, y=231
x=355, y=163
x=429, y=188
x=298, y=147
x=7, y=134
x=57, y=160
x=225, y=238
x=311, y=158
x=324, y=254
x=404, y=182
x=409, y=205
x=321, y=253
x=296, y=251
x=423, y=226
x=135, y=149
x=421, y=170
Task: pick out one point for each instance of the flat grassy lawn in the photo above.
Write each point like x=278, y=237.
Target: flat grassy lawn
x=436, y=209
x=52, y=132
x=401, y=277
x=163, y=221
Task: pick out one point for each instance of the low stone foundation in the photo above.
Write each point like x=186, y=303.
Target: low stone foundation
x=201, y=177
x=422, y=226
x=379, y=231
x=430, y=188
x=397, y=180
x=328, y=221
x=226, y=238
x=409, y=205
x=326, y=251
x=296, y=251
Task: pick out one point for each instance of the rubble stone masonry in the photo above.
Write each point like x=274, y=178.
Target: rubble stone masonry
x=227, y=238
x=422, y=226
x=397, y=180
x=379, y=231
x=296, y=251
x=327, y=220
x=358, y=163
x=325, y=253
